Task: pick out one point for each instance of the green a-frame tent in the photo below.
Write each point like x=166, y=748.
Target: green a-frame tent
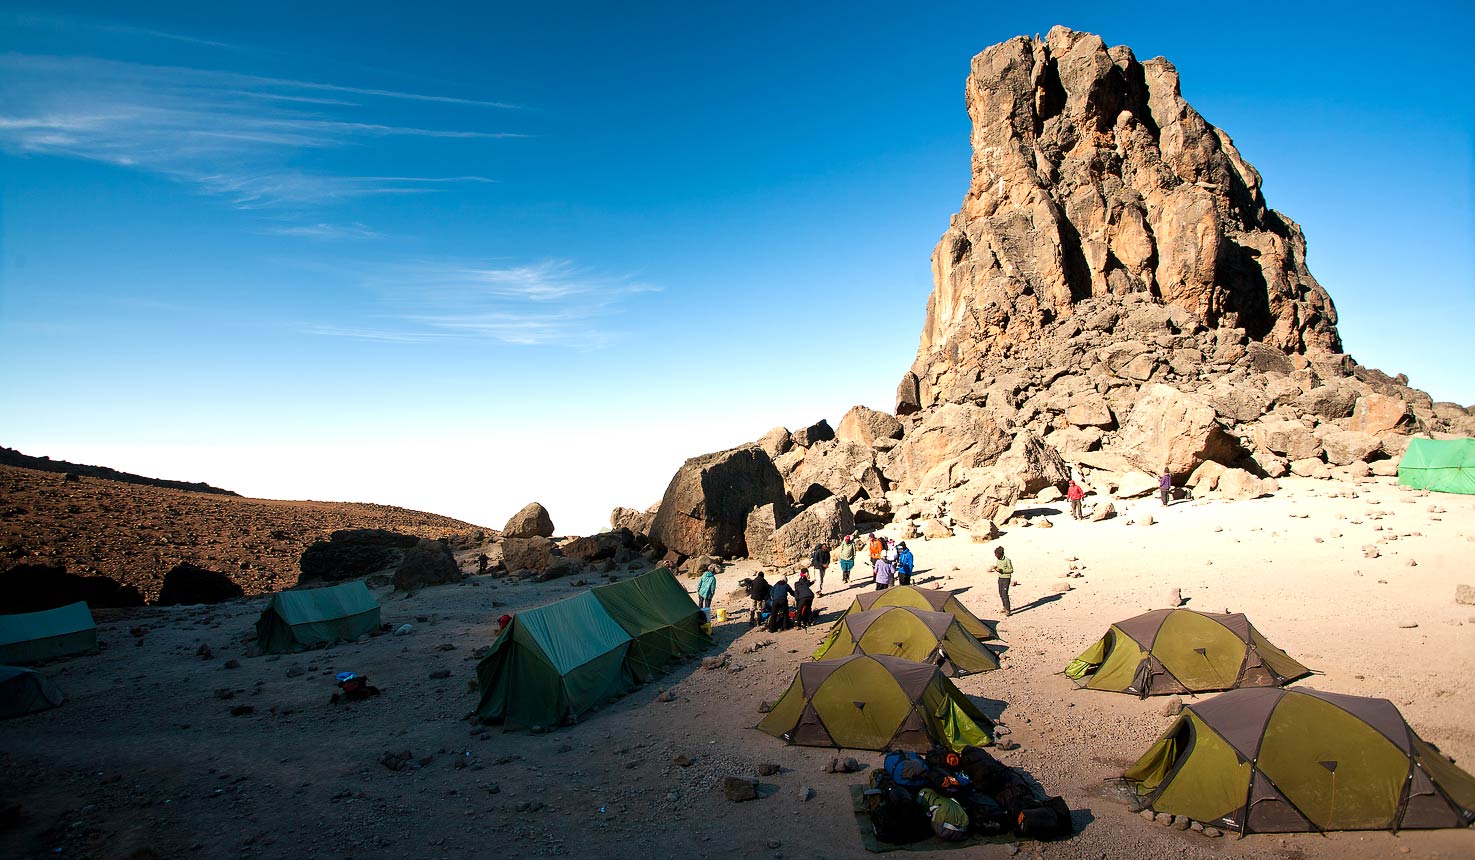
x=297, y=619
x=32, y=637
x=1442, y=465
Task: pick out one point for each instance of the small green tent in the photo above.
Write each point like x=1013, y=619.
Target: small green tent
x=31, y=637
x=875, y=703
x=1442, y=465
x=1169, y=651
x=1265, y=760
x=553, y=663
x=663, y=621
x=296, y=619
x=915, y=634
x=24, y=691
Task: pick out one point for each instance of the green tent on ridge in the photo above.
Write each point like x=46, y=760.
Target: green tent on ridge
x=299, y=618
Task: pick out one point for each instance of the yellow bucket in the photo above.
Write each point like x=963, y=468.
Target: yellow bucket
x=721, y=616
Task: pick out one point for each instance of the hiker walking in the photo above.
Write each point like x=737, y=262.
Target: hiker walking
x=1005, y=569
x=758, y=591
x=1076, y=495
x=819, y=559
x=778, y=604
x=846, y=553
x=883, y=570
x=1165, y=485
x=904, y=564
x=481, y=564
x=707, y=587
x=803, y=601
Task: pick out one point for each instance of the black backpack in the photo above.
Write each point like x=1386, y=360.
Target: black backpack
x=896, y=815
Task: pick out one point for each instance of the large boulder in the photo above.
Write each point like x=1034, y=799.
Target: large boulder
x=865, y=426
x=1291, y=438
x=1344, y=447
x=354, y=553
x=776, y=442
x=637, y=522
x=986, y=495
x=188, y=585
x=706, y=505
x=1173, y=430
x=428, y=562
x=532, y=521
x=529, y=555
x=758, y=531
x=1089, y=409
x=34, y=587
x=839, y=468
x=600, y=546
x=829, y=520
x=1034, y=464
x=1378, y=413
x=1239, y=485
x=1331, y=401
x=819, y=431
x=949, y=439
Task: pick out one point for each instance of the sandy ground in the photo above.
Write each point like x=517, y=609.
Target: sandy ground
x=146, y=760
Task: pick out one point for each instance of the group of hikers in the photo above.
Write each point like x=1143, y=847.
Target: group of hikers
x=891, y=562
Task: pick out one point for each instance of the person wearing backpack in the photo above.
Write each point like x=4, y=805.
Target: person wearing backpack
x=803, y=601
x=905, y=563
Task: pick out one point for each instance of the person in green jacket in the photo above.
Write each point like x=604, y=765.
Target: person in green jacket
x=707, y=587
x=1005, y=569
x=846, y=553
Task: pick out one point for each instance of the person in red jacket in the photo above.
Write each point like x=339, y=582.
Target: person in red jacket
x=1076, y=495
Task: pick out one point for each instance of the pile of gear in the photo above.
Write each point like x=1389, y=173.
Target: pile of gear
x=957, y=795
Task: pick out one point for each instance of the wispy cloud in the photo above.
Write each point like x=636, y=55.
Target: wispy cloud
x=550, y=303
x=244, y=137
x=326, y=231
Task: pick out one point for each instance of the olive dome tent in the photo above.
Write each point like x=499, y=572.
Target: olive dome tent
x=931, y=599
x=910, y=633
x=26, y=691
x=875, y=703
x=32, y=637
x=1182, y=651
x=1442, y=465
x=1283, y=761
x=299, y=618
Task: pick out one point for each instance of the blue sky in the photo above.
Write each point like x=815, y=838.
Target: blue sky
x=463, y=259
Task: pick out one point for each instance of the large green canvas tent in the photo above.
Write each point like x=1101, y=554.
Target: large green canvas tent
x=31, y=637
x=1279, y=761
x=1443, y=465
x=297, y=619
x=930, y=599
x=910, y=633
x=1182, y=651
x=663, y=621
x=24, y=691
x=875, y=703
x=554, y=663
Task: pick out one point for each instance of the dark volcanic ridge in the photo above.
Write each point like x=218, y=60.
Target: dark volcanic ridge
x=12, y=457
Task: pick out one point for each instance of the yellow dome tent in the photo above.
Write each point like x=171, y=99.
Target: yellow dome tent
x=910, y=633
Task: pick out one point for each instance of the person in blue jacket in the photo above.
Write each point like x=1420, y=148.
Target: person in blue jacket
x=904, y=564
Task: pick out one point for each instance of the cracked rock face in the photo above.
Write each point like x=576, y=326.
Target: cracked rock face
x=1094, y=181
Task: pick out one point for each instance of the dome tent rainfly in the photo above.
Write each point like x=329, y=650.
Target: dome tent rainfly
x=1283, y=761
x=875, y=703
x=299, y=618
x=913, y=634
x=26, y=691
x=34, y=637
x=1169, y=651
x=931, y=599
